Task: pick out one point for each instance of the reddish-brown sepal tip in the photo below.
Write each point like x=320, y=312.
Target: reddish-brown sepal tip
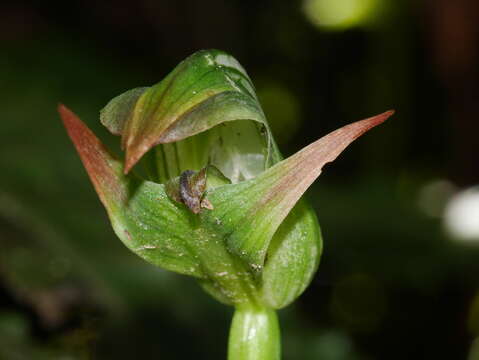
x=103, y=170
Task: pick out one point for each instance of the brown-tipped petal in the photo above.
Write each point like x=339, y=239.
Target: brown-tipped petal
x=104, y=170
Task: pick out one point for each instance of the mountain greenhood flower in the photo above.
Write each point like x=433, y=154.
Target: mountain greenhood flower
x=204, y=191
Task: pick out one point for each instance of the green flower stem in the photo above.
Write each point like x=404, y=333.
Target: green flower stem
x=254, y=334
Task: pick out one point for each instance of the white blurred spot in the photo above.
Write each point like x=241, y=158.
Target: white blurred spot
x=461, y=216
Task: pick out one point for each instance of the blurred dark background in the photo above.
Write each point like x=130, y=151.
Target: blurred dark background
x=399, y=210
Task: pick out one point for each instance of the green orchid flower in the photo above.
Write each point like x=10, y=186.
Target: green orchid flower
x=204, y=191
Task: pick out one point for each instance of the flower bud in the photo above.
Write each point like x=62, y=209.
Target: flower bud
x=215, y=201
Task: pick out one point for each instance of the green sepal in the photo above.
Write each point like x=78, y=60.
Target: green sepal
x=157, y=228
x=142, y=215
x=251, y=212
x=154, y=227
x=293, y=257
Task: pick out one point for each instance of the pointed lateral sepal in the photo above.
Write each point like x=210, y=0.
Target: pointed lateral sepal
x=252, y=211
x=141, y=213
x=104, y=171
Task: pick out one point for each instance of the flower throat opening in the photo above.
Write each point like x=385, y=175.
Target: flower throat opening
x=238, y=149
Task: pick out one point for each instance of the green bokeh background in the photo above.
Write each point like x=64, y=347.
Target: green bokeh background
x=392, y=283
